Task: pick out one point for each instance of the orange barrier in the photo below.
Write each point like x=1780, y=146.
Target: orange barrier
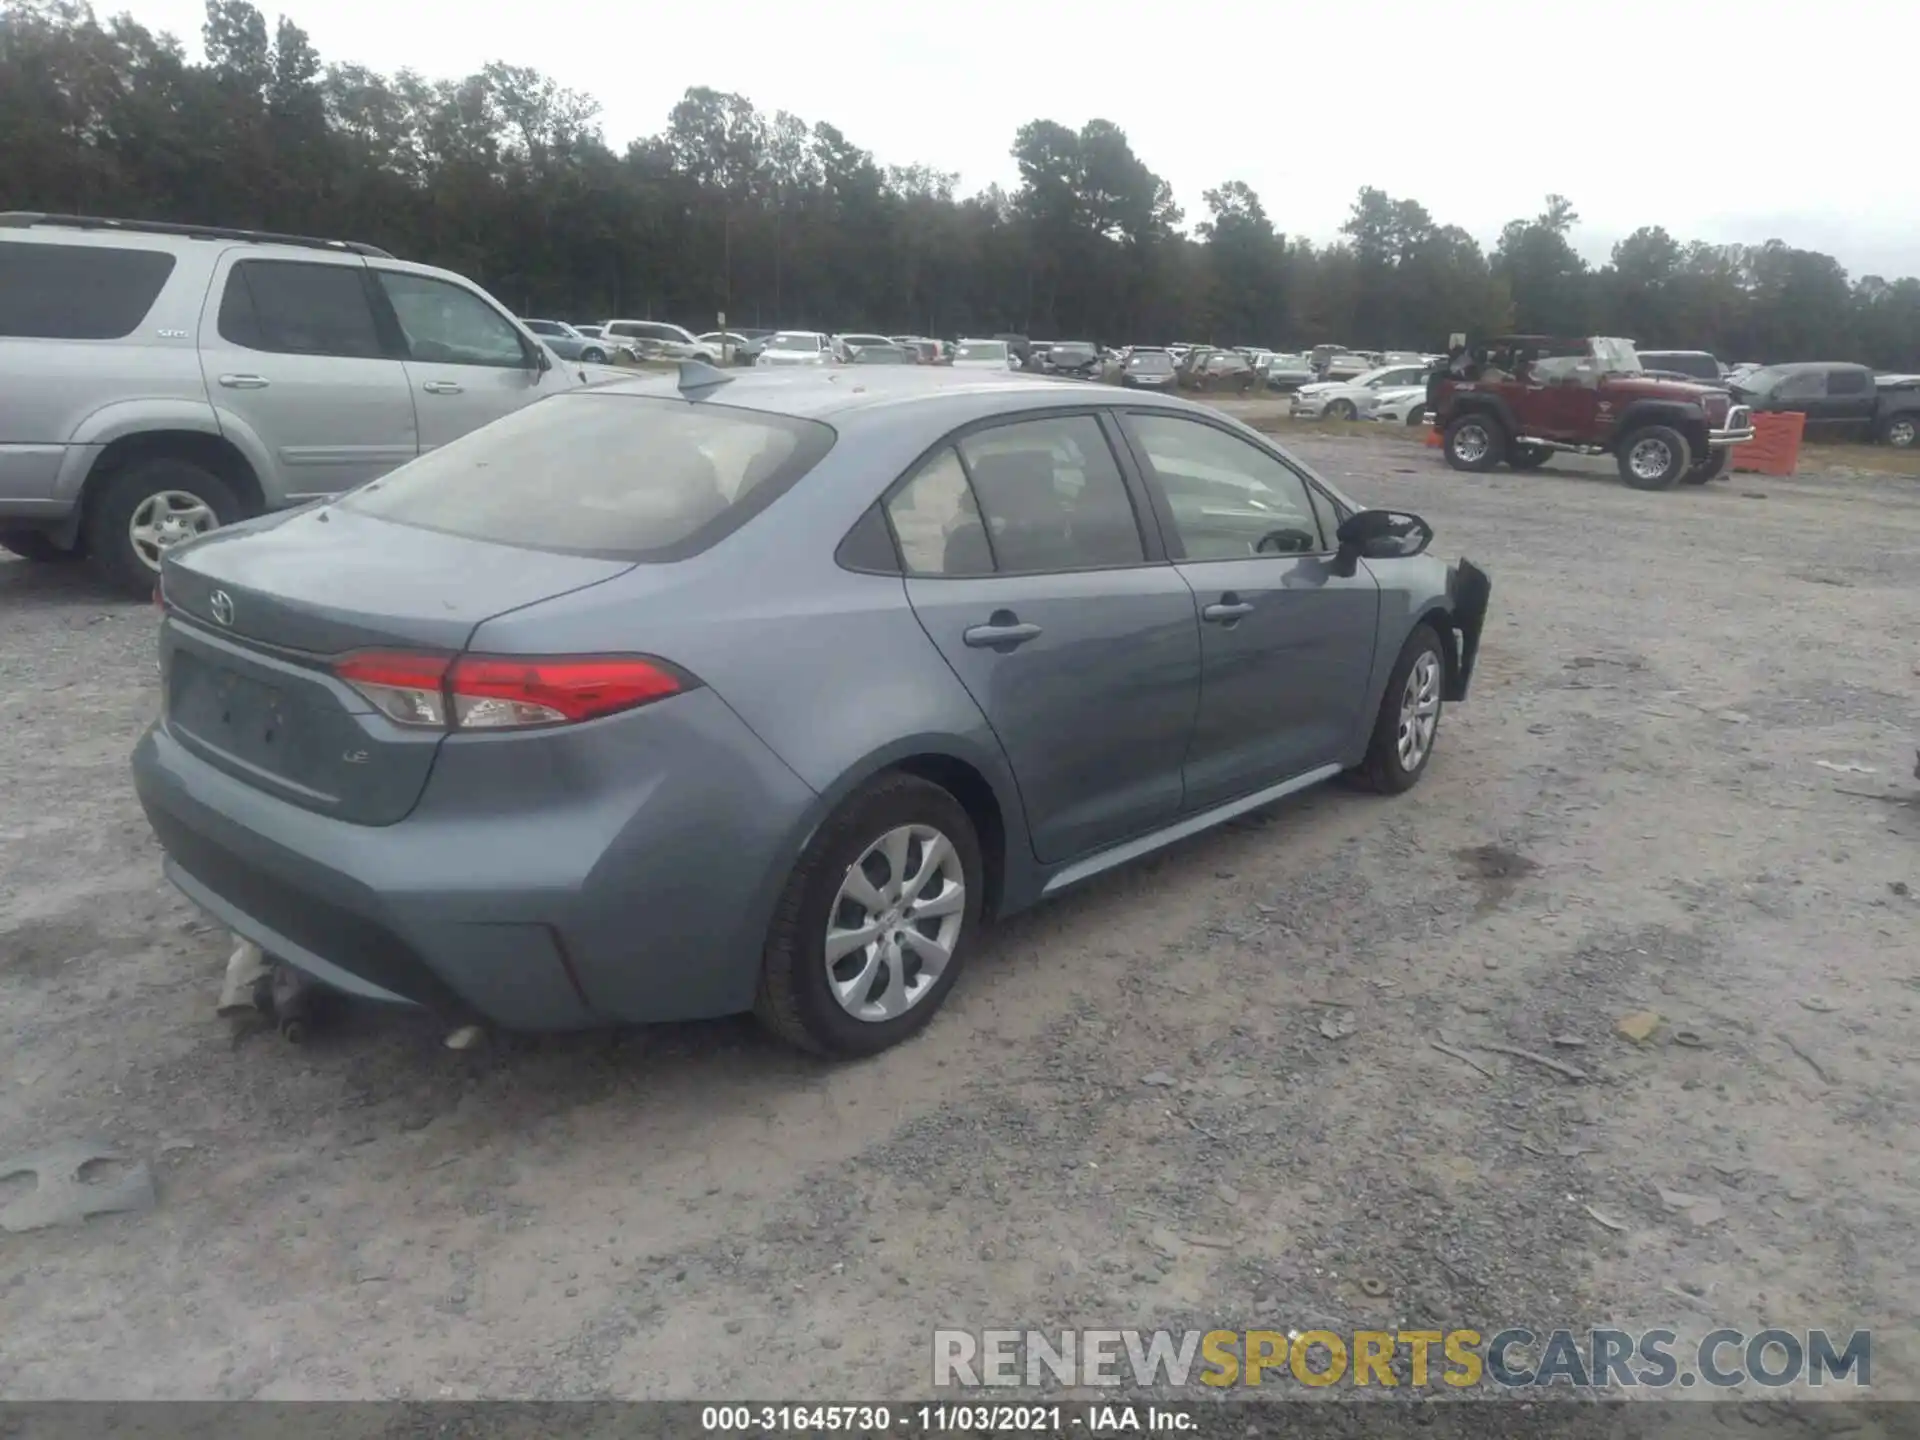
x=1775, y=447
x=1432, y=441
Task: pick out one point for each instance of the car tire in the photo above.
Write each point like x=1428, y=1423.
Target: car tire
x=1398, y=751
x=1529, y=457
x=37, y=546
x=1902, y=432
x=1475, y=442
x=1416, y=417
x=593, y=355
x=1712, y=467
x=797, y=999
x=1654, y=457
x=1341, y=410
x=164, y=481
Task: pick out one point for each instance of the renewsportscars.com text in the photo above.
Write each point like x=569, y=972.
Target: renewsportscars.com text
x=1513, y=1358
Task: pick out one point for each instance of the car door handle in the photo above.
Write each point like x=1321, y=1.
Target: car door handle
x=1226, y=610
x=441, y=387
x=999, y=634
x=244, y=382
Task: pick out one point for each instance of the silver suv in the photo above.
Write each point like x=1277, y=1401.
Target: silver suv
x=157, y=381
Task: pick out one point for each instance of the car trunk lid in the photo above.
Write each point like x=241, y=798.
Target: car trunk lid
x=257, y=615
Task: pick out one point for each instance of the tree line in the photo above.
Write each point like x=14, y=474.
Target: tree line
x=506, y=177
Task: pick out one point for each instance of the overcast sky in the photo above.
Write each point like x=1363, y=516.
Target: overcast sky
x=1723, y=120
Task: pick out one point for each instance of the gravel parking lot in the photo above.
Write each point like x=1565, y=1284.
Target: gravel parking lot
x=1205, y=1090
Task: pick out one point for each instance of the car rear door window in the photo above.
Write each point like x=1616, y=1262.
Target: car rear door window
x=1228, y=499
x=77, y=292
x=937, y=522
x=1848, y=382
x=294, y=307
x=622, y=476
x=446, y=325
x=1051, y=493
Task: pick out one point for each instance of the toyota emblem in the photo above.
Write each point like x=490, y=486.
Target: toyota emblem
x=222, y=606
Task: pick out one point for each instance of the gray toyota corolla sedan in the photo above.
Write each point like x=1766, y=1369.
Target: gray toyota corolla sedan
x=771, y=705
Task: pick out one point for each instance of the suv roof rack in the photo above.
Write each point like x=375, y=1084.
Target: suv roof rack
x=20, y=219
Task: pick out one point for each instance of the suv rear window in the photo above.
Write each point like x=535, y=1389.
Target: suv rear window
x=623, y=477
x=77, y=292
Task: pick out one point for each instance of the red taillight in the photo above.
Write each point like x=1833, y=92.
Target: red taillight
x=497, y=692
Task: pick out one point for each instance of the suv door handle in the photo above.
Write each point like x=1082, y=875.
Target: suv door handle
x=441, y=387
x=1002, y=632
x=244, y=382
x=1227, y=609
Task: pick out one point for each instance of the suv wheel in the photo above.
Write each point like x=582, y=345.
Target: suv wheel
x=593, y=355
x=1654, y=458
x=871, y=930
x=1474, y=442
x=35, y=545
x=1902, y=431
x=144, y=510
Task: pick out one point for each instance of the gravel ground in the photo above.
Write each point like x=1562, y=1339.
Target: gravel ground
x=1635, y=812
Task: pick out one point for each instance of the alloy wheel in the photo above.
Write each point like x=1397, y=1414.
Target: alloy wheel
x=1419, y=711
x=894, y=923
x=164, y=519
x=1471, y=443
x=1650, y=459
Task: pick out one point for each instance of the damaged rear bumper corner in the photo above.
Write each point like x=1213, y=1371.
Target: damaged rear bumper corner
x=1468, y=590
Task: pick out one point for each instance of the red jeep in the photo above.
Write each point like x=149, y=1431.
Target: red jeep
x=1523, y=397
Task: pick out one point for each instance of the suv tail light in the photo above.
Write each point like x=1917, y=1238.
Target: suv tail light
x=501, y=692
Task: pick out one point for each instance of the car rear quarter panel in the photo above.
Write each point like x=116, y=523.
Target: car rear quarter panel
x=828, y=668
x=58, y=402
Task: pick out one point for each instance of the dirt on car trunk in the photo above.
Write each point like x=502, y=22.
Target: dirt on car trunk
x=1646, y=930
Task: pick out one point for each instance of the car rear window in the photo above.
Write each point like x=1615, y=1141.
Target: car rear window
x=77, y=292
x=623, y=477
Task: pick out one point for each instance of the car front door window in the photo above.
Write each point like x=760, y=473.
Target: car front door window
x=444, y=324
x=1228, y=500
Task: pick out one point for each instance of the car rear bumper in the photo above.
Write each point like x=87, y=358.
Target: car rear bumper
x=623, y=872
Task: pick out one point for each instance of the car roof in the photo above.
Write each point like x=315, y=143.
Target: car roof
x=839, y=395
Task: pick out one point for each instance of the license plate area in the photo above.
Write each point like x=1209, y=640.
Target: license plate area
x=238, y=714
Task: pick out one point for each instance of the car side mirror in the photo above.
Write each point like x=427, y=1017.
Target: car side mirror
x=1384, y=535
x=542, y=362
